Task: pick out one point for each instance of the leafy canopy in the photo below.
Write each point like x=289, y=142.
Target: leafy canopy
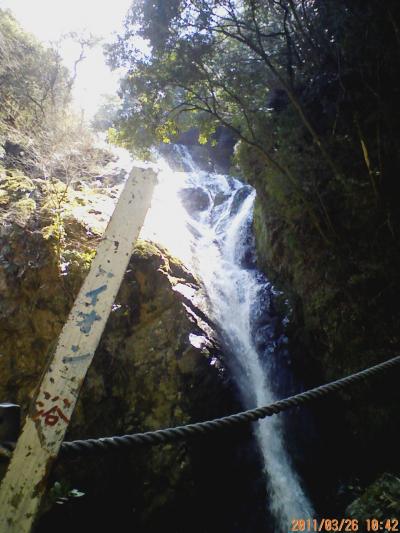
x=207, y=62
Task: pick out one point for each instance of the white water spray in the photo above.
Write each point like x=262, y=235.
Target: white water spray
x=212, y=235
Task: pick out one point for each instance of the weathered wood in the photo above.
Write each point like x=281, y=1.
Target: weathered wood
x=46, y=424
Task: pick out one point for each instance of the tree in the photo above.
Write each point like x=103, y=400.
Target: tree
x=41, y=135
x=33, y=82
x=107, y=112
x=214, y=62
x=271, y=71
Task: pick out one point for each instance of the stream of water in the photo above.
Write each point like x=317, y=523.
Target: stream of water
x=208, y=224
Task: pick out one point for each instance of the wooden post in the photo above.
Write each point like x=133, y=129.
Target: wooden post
x=46, y=424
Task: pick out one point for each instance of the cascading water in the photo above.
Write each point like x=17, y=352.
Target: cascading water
x=206, y=219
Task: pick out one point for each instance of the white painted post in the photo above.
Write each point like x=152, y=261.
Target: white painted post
x=46, y=424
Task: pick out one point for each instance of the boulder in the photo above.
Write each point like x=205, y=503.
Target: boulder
x=194, y=199
x=158, y=365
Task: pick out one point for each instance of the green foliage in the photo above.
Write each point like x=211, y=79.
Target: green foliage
x=61, y=492
x=45, y=147
x=16, y=196
x=190, y=75
x=38, y=131
x=33, y=81
x=310, y=90
x=106, y=114
x=239, y=65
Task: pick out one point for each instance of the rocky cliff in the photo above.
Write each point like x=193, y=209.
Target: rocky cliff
x=158, y=365
x=342, y=317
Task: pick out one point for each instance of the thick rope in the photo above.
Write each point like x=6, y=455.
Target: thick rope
x=179, y=433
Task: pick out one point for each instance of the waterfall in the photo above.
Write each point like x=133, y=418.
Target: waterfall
x=206, y=219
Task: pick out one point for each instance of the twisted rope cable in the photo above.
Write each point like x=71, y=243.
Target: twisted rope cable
x=180, y=433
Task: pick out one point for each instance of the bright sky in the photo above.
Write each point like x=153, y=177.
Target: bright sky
x=48, y=20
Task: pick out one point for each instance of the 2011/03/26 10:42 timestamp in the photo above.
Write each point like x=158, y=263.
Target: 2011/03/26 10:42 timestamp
x=345, y=524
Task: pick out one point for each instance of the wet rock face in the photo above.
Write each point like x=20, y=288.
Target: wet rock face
x=194, y=199
x=214, y=156
x=147, y=374
x=158, y=365
x=145, y=360
x=239, y=198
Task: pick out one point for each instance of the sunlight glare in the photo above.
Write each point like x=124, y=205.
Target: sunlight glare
x=165, y=221
x=50, y=20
